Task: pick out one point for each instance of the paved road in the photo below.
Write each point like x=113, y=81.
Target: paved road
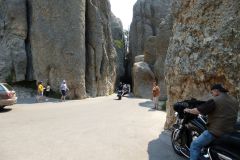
x=90, y=129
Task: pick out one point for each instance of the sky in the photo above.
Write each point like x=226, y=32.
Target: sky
x=123, y=9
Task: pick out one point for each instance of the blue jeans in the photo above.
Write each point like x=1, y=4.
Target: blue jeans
x=204, y=139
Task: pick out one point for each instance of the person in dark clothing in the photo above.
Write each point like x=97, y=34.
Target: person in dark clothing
x=120, y=86
x=120, y=91
x=222, y=112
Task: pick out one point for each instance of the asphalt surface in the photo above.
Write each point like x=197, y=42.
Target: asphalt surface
x=92, y=129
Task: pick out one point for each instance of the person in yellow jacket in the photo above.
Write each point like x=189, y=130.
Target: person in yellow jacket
x=40, y=91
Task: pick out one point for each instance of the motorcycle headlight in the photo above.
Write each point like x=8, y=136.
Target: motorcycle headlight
x=176, y=114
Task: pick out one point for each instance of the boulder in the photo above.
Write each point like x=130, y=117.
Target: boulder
x=143, y=78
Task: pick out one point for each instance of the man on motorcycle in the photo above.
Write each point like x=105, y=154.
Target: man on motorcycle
x=120, y=86
x=222, y=112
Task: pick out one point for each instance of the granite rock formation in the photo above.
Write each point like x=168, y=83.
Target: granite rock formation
x=56, y=40
x=13, y=32
x=119, y=44
x=101, y=54
x=161, y=47
x=204, y=50
x=57, y=36
x=147, y=16
x=149, y=36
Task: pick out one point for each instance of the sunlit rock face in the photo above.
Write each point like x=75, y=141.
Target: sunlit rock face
x=147, y=16
x=155, y=51
x=204, y=50
x=143, y=78
x=13, y=32
x=149, y=36
x=119, y=44
x=57, y=37
x=58, y=40
x=73, y=42
x=101, y=54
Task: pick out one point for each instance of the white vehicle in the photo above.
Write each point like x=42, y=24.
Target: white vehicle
x=7, y=95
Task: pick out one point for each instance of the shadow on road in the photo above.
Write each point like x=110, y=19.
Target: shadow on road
x=147, y=104
x=26, y=100
x=32, y=100
x=161, y=148
x=3, y=110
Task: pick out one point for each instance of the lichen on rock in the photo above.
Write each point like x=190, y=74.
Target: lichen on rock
x=203, y=50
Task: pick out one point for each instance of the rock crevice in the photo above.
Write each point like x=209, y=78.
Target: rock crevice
x=56, y=40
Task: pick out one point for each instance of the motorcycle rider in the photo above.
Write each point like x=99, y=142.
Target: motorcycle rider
x=125, y=89
x=120, y=86
x=222, y=112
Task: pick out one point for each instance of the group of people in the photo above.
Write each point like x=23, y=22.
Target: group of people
x=41, y=89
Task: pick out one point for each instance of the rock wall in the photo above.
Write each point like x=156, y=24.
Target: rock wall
x=149, y=36
x=56, y=40
x=147, y=16
x=13, y=32
x=119, y=44
x=57, y=36
x=101, y=54
x=204, y=50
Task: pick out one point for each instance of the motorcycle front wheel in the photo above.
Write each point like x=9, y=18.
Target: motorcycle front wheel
x=176, y=141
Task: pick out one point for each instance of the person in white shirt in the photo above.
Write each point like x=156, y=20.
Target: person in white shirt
x=64, y=90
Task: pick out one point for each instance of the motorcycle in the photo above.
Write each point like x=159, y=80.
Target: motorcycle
x=126, y=90
x=119, y=94
x=188, y=127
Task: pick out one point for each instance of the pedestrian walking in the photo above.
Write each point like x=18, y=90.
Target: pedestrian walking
x=155, y=95
x=64, y=89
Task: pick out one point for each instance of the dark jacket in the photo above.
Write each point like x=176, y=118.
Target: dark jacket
x=223, y=116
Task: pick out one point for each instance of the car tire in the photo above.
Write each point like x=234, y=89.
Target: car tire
x=1, y=107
